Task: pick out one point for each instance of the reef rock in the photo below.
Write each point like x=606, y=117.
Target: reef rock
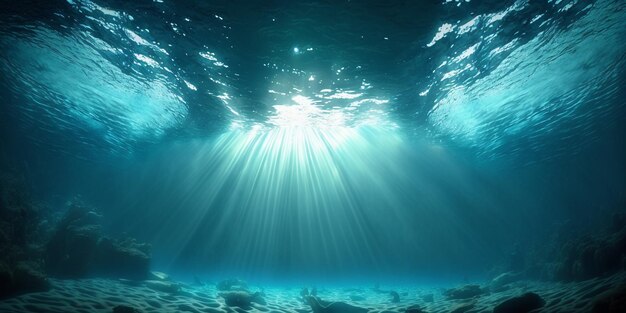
x=612, y=301
x=22, y=233
x=589, y=256
x=242, y=299
x=463, y=293
x=395, y=297
x=77, y=249
x=522, y=304
x=23, y=278
x=70, y=251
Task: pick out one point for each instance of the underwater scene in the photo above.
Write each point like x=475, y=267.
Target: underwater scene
x=323, y=156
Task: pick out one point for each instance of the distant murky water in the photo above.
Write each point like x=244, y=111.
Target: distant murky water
x=322, y=137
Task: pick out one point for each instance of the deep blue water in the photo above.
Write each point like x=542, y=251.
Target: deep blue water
x=337, y=141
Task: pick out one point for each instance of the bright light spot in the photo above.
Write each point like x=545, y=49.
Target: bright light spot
x=224, y=97
x=344, y=95
x=296, y=50
x=442, y=32
x=208, y=55
x=190, y=86
x=469, y=51
x=468, y=26
x=304, y=113
x=147, y=60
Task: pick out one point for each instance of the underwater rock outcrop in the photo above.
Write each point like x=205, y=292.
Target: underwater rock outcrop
x=572, y=255
x=77, y=249
x=21, y=231
x=71, y=249
x=593, y=255
x=395, y=296
x=23, y=278
x=522, y=304
x=242, y=299
x=612, y=301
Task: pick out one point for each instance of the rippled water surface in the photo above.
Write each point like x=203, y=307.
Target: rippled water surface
x=482, y=75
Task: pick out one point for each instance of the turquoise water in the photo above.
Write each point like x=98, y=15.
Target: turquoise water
x=328, y=141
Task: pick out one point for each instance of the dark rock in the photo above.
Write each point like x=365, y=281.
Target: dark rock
x=462, y=293
x=319, y=306
x=24, y=278
x=395, y=297
x=70, y=251
x=28, y=277
x=6, y=281
x=21, y=236
x=522, y=304
x=242, y=299
x=612, y=301
x=77, y=249
x=125, y=309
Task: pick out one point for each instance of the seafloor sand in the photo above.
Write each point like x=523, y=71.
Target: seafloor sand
x=102, y=295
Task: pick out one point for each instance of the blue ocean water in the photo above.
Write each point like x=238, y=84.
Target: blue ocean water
x=337, y=142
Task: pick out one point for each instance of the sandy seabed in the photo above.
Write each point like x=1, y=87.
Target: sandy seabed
x=103, y=295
